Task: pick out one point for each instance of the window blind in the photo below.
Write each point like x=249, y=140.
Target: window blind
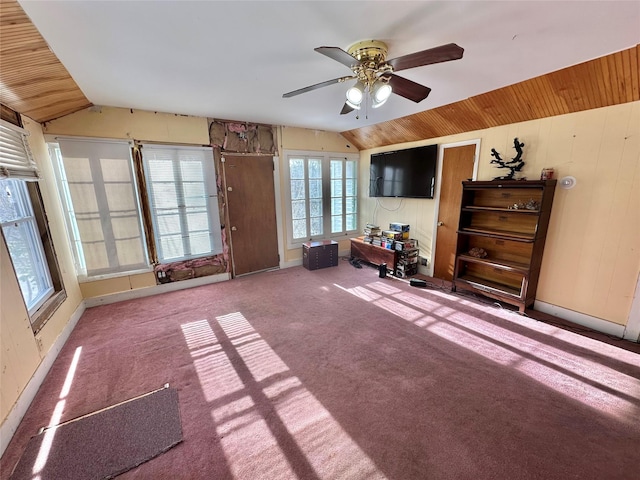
x=16, y=159
x=181, y=184
x=98, y=176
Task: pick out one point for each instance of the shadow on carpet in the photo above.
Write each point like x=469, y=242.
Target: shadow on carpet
x=105, y=443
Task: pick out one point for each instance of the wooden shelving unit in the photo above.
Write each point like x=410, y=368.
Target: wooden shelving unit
x=509, y=221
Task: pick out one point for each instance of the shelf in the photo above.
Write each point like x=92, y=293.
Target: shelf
x=528, y=184
x=513, y=238
x=476, y=208
x=501, y=264
x=504, y=235
x=488, y=286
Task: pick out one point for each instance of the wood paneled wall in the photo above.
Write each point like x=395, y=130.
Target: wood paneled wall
x=32, y=79
x=605, y=81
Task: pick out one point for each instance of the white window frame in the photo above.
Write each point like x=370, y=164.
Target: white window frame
x=72, y=229
x=34, y=245
x=326, y=158
x=211, y=204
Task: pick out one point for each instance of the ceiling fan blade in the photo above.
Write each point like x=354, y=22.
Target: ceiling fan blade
x=346, y=109
x=443, y=53
x=316, y=86
x=408, y=88
x=338, y=55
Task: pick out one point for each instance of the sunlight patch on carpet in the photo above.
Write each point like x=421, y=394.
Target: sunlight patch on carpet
x=263, y=414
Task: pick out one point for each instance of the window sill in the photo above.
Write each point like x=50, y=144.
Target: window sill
x=46, y=311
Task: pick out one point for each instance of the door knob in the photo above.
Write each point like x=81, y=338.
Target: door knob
x=233, y=229
x=440, y=224
x=230, y=189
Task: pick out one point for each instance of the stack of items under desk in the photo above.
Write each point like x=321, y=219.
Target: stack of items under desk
x=407, y=263
x=396, y=238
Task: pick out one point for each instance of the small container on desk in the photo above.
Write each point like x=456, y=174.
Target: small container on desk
x=317, y=255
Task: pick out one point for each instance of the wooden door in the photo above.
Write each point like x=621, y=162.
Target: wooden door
x=457, y=165
x=252, y=213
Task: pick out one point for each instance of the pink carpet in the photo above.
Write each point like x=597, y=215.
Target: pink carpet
x=336, y=373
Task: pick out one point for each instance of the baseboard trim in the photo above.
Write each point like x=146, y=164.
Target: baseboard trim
x=155, y=290
x=11, y=423
x=632, y=330
x=291, y=263
x=583, y=319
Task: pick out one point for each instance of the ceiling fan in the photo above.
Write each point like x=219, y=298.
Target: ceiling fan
x=375, y=74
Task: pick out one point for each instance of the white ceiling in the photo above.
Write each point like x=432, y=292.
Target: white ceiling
x=235, y=59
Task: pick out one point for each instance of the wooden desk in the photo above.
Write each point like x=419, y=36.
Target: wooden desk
x=373, y=254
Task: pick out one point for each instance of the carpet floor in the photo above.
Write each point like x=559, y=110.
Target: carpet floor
x=339, y=374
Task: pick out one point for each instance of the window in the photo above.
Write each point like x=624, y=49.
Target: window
x=181, y=185
x=322, y=195
x=24, y=226
x=98, y=190
x=21, y=234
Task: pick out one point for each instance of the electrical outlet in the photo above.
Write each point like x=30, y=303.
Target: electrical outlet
x=423, y=261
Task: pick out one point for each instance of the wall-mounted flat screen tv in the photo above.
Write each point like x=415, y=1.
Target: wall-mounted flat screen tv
x=404, y=173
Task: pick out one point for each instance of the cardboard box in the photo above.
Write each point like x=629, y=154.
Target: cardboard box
x=399, y=227
x=406, y=244
x=392, y=234
x=402, y=228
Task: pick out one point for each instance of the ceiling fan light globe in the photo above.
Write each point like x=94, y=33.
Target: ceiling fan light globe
x=355, y=94
x=375, y=104
x=381, y=92
x=353, y=105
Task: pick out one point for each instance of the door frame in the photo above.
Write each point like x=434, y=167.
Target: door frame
x=436, y=209
x=278, y=200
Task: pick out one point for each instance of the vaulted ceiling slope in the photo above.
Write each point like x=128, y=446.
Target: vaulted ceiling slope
x=119, y=61
x=605, y=81
x=32, y=80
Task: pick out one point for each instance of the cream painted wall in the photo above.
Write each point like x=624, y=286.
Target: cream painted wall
x=108, y=286
x=20, y=355
x=293, y=138
x=592, y=256
x=22, y=352
x=111, y=122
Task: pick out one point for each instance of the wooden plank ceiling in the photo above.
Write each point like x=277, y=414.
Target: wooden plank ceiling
x=32, y=80
x=602, y=82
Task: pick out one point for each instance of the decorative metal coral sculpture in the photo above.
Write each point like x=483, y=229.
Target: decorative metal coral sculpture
x=515, y=164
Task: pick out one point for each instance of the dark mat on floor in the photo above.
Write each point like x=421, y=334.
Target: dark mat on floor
x=105, y=443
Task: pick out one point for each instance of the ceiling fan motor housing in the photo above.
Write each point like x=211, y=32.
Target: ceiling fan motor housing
x=372, y=55
x=369, y=51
